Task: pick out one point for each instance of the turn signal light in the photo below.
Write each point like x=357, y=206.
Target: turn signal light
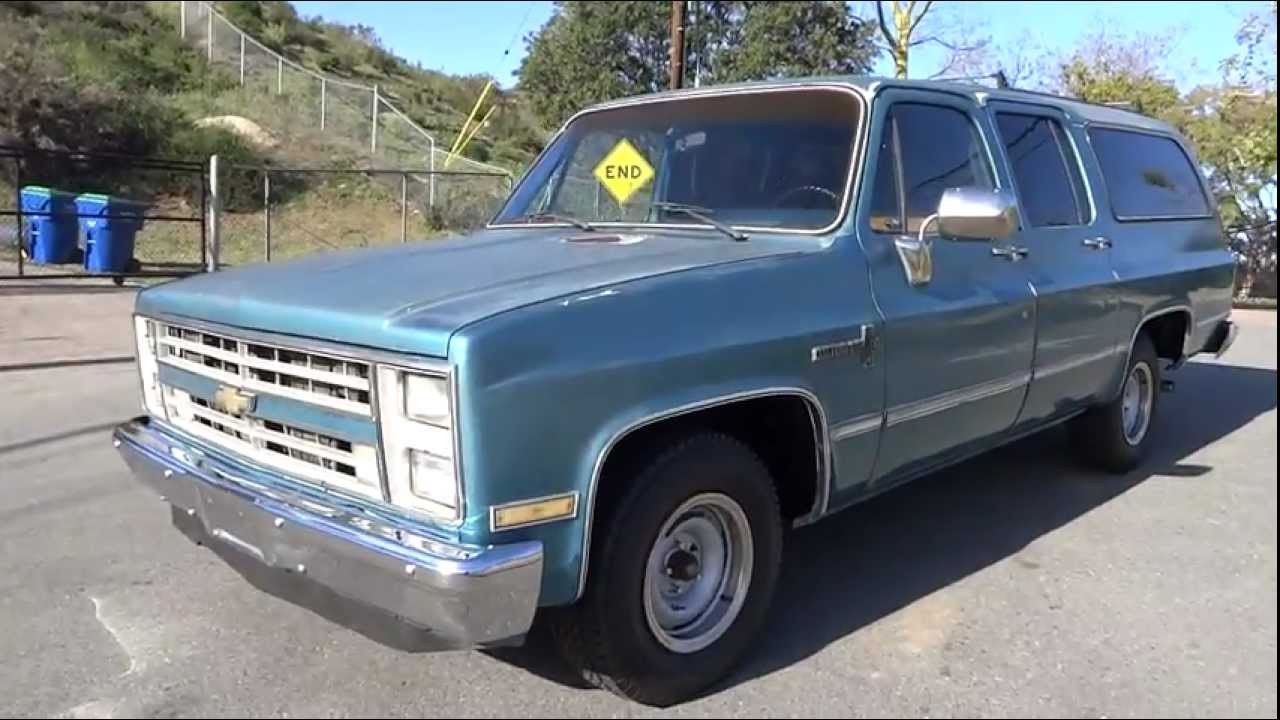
x=533, y=512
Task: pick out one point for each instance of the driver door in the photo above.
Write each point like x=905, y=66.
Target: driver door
x=959, y=316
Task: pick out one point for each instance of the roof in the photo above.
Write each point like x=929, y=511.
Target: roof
x=871, y=85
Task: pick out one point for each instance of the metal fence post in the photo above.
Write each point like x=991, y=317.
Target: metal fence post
x=266, y=215
x=373, y=137
x=241, y=59
x=215, y=216
x=431, y=182
x=17, y=195
x=279, y=75
x=404, y=207
x=323, y=86
x=209, y=37
x=182, y=19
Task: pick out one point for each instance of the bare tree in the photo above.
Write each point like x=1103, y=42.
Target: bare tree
x=1021, y=62
x=906, y=33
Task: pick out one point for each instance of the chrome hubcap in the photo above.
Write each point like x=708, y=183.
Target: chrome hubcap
x=698, y=573
x=1135, y=405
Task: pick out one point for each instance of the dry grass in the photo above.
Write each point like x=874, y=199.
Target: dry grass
x=327, y=218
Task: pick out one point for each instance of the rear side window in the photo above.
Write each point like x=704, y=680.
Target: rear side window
x=1045, y=170
x=1147, y=176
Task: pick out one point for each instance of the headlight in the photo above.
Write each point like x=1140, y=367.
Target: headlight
x=426, y=398
x=144, y=331
x=416, y=416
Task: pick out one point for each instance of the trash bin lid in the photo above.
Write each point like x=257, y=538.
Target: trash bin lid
x=43, y=191
x=101, y=200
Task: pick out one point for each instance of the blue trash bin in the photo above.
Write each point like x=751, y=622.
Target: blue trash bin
x=49, y=238
x=108, y=241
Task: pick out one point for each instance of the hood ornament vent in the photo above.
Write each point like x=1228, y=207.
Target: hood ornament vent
x=604, y=238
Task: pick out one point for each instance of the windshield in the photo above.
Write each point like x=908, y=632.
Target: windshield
x=769, y=160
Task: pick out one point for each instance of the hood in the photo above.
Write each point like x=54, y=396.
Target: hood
x=412, y=298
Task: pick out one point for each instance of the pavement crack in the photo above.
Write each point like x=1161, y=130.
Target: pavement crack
x=117, y=635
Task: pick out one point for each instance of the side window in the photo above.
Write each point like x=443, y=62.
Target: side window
x=1044, y=170
x=1147, y=176
x=939, y=148
x=886, y=205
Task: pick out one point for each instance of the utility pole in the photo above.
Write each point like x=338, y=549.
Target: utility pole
x=677, y=44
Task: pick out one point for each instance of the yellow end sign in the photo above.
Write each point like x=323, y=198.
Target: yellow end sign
x=623, y=171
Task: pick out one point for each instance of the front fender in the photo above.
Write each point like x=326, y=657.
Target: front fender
x=547, y=390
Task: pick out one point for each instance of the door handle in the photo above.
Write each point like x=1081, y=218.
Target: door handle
x=1097, y=243
x=1013, y=253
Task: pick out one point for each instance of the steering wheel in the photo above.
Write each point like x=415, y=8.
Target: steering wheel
x=812, y=189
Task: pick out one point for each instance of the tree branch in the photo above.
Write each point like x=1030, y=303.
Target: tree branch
x=912, y=30
x=884, y=26
x=946, y=68
x=950, y=46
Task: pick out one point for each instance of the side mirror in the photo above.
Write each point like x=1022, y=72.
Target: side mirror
x=970, y=213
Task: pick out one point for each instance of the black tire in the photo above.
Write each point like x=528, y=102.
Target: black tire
x=1099, y=434
x=606, y=635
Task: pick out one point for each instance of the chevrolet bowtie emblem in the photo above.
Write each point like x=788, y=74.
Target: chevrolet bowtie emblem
x=233, y=401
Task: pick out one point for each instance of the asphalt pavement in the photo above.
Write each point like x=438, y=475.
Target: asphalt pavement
x=1015, y=585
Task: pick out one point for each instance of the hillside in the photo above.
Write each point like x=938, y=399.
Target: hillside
x=117, y=77
x=436, y=101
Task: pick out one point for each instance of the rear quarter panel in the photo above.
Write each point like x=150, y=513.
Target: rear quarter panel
x=1166, y=264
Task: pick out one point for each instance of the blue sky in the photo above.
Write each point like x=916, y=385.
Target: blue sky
x=473, y=37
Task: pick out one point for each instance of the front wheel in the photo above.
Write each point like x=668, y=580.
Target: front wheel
x=1115, y=436
x=681, y=578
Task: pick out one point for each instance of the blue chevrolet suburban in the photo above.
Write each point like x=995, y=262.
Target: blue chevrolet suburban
x=701, y=318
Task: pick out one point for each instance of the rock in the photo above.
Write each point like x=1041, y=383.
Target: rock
x=242, y=126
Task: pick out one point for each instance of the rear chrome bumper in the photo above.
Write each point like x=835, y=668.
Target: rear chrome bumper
x=1224, y=334
x=468, y=596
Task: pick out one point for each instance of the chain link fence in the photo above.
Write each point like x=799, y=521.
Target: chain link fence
x=295, y=211
x=295, y=102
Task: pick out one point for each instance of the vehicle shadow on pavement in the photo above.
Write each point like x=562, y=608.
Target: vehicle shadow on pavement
x=875, y=558
x=857, y=567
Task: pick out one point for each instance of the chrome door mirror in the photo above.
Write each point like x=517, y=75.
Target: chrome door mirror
x=970, y=213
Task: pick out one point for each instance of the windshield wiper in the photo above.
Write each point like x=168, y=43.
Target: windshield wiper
x=703, y=214
x=580, y=224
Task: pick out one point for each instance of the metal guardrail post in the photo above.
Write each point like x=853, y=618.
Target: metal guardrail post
x=323, y=86
x=182, y=19
x=215, y=216
x=373, y=137
x=266, y=215
x=404, y=207
x=241, y=59
x=279, y=75
x=209, y=39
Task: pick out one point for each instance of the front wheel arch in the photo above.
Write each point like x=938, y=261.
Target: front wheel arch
x=803, y=477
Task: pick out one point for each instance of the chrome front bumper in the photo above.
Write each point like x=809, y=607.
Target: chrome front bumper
x=468, y=596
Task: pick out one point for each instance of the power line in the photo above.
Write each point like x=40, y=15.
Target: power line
x=519, y=28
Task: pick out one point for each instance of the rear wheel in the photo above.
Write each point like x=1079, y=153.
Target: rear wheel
x=681, y=577
x=1115, y=436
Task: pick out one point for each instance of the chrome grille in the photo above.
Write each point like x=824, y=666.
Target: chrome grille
x=301, y=452
x=305, y=376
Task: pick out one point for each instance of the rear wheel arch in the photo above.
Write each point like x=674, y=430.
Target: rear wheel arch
x=1170, y=331
x=797, y=455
